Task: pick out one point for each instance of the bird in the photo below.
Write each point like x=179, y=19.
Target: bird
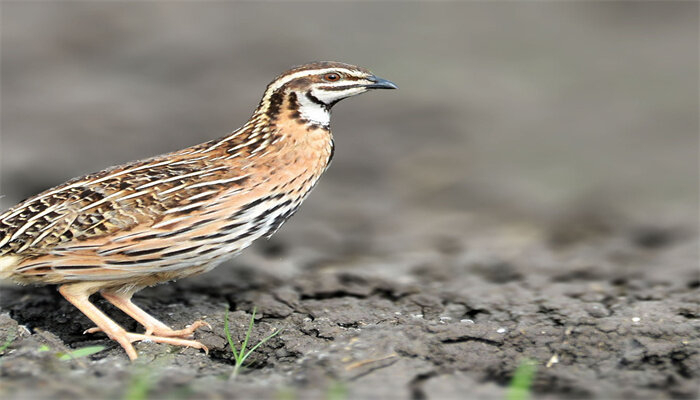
x=146, y=222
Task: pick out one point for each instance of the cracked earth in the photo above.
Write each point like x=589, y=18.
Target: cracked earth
x=529, y=193
x=456, y=320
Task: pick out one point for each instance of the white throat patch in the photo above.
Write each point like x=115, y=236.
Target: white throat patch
x=314, y=112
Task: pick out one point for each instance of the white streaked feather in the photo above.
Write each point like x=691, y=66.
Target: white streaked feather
x=7, y=265
x=174, y=178
x=218, y=181
x=183, y=208
x=83, y=183
x=170, y=221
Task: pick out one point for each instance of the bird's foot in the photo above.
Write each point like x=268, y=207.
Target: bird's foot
x=125, y=339
x=164, y=331
x=187, y=332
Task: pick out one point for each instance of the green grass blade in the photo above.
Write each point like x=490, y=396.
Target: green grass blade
x=519, y=388
x=243, y=353
x=10, y=338
x=227, y=331
x=260, y=343
x=143, y=378
x=82, y=352
x=337, y=391
x=139, y=386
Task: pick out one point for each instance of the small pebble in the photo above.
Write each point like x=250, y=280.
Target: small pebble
x=636, y=319
x=466, y=321
x=501, y=330
x=553, y=360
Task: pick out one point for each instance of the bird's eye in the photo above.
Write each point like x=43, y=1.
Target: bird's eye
x=332, y=77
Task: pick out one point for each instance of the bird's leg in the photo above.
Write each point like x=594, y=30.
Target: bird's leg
x=153, y=327
x=78, y=294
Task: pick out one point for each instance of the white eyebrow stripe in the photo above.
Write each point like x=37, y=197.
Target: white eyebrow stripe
x=286, y=79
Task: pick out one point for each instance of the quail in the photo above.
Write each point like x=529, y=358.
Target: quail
x=135, y=225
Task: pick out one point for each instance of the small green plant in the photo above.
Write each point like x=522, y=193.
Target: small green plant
x=241, y=355
x=144, y=376
x=285, y=393
x=519, y=388
x=72, y=355
x=10, y=338
x=79, y=353
x=140, y=384
x=337, y=391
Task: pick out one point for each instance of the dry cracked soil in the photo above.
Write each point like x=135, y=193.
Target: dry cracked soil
x=529, y=193
x=593, y=308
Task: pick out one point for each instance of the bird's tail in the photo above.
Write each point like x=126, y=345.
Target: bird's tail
x=7, y=265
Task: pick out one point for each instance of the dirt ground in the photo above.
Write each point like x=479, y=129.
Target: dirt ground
x=530, y=193
x=605, y=313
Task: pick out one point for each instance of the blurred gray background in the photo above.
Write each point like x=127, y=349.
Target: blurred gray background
x=512, y=111
x=531, y=190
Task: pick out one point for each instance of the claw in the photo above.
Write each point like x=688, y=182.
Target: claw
x=181, y=333
x=135, y=337
x=199, y=324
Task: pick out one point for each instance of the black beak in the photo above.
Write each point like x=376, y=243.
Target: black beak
x=379, y=83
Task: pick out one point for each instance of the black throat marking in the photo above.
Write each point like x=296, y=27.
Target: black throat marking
x=294, y=106
x=318, y=101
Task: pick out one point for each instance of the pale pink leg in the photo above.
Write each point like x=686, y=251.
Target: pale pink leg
x=78, y=294
x=153, y=327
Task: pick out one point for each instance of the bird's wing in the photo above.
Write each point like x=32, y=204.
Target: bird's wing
x=117, y=207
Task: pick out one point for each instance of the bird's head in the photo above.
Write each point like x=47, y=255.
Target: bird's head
x=314, y=88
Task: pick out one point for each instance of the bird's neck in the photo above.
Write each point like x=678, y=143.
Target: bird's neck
x=302, y=107
x=284, y=120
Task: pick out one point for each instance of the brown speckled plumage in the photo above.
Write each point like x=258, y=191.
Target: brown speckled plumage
x=182, y=213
